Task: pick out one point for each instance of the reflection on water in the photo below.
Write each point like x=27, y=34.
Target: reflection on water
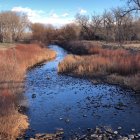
x=76, y=104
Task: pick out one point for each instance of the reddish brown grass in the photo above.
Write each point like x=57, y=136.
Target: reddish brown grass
x=13, y=65
x=102, y=62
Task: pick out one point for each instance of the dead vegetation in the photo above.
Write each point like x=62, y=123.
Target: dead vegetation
x=13, y=65
x=117, y=66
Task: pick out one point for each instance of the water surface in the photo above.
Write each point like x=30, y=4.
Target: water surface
x=76, y=104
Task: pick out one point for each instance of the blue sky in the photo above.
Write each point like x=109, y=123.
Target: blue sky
x=57, y=12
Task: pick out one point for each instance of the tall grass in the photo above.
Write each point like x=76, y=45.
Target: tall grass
x=81, y=47
x=102, y=62
x=13, y=65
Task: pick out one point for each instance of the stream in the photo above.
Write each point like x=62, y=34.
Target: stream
x=74, y=104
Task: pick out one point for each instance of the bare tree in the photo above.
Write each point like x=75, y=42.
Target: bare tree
x=83, y=22
x=69, y=32
x=109, y=26
x=50, y=34
x=12, y=26
x=132, y=5
x=118, y=20
x=38, y=31
x=95, y=25
x=123, y=25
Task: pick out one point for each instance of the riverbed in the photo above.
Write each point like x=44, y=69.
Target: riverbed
x=74, y=104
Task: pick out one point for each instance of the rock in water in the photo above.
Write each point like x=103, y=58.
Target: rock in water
x=131, y=136
x=33, y=95
x=119, y=128
x=115, y=132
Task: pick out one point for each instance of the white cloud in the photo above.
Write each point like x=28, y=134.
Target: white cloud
x=28, y=11
x=56, y=21
x=40, y=16
x=54, y=15
x=65, y=15
x=82, y=11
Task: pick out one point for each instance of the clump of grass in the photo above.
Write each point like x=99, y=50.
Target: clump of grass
x=104, y=62
x=13, y=65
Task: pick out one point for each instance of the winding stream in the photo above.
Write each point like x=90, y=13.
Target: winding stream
x=76, y=104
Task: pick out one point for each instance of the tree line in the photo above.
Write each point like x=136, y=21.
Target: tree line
x=115, y=25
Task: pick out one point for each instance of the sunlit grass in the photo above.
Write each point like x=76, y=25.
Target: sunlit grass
x=103, y=62
x=13, y=65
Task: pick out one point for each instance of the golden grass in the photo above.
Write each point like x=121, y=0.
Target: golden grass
x=13, y=65
x=104, y=62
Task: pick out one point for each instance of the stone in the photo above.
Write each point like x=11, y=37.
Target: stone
x=89, y=129
x=39, y=135
x=98, y=130
x=83, y=136
x=33, y=95
x=133, y=129
x=119, y=128
x=94, y=136
x=131, y=136
x=50, y=135
x=110, y=138
x=124, y=138
x=100, y=137
x=105, y=137
x=60, y=118
x=115, y=132
x=60, y=131
x=48, y=77
x=67, y=120
x=136, y=136
x=17, y=138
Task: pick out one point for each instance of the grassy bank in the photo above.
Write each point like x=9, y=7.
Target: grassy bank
x=115, y=66
x=14, y=62
x=91, y=47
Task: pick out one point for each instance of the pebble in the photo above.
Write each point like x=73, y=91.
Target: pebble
x=119, y=128
x=48, y=77
x=89, y=129
x=115, y=132
x=67, y=120
x=136, y=137
x=100, y=137
x=131, y=136
x=124, y=138
x=97, y=134
x=84, y=115
x=33, y=95
x=133, y=130
x=94, y=136
x=60, y=118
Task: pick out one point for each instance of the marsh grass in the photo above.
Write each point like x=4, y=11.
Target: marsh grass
x=109, y=63
x=13, y=65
